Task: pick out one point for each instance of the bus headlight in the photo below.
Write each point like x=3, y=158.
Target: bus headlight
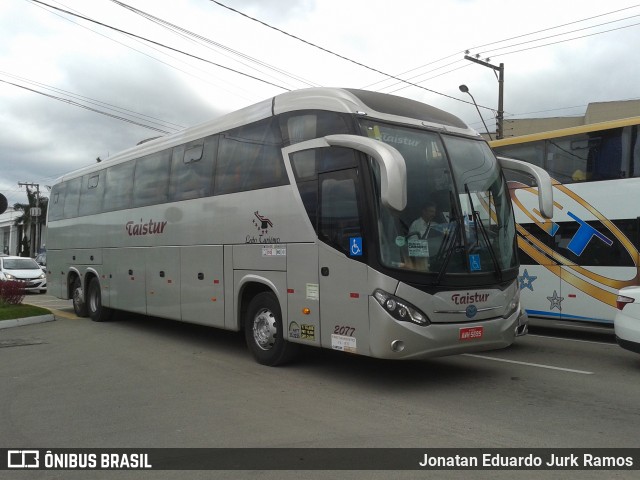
x=513, y=306
x=400, y=309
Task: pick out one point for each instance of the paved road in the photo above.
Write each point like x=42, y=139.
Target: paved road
x=147, y=382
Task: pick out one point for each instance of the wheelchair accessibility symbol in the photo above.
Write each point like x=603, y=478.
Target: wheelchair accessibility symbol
x=474, y=263
x=356, y=246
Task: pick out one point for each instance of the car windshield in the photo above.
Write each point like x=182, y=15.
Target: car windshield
x=20, y=264
x=458, y=216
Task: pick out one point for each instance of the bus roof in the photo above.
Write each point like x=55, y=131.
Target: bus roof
x=359, y=102
x=563, y=132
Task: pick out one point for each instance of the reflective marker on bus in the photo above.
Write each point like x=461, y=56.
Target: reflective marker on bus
x=574, y=263
x=335, y=218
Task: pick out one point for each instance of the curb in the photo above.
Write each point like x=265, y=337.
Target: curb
x=19, y=322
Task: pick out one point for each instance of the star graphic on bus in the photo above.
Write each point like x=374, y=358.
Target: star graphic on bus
x=555, y=301
x=526, y=280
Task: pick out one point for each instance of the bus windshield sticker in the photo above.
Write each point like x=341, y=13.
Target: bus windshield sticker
x=474, y=262
x=418, y=247
x=356, y=246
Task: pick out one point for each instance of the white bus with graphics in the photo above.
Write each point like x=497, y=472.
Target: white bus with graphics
x=574, y=264
x=291, y=221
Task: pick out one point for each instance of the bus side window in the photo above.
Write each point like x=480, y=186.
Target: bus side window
x=72, y=198
x=56, y=204
x=339, y=214
x=635, y=152
x=151, y=179
x=249, y=158
x=192, y=169
x=119, y=186
x=92, y=193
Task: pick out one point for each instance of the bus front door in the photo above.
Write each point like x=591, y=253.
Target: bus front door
x=343, y=275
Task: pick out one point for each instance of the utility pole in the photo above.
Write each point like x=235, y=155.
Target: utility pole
x=499, y=72
x=34, y=213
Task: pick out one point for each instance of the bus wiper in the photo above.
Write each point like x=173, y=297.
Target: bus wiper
x=479, y=226
x=449, y=247
x=492, y=254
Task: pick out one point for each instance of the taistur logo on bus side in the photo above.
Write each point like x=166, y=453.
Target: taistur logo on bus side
x=144, y=228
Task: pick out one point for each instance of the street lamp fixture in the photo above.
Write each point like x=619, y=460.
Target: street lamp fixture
x=465, y=89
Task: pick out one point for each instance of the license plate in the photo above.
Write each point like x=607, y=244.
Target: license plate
x=471, y=333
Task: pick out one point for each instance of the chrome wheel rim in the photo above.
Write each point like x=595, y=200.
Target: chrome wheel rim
x=264, y=329
x=77, y=297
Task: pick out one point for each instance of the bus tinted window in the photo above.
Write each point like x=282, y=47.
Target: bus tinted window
x=308, y=163
x=302, y=126
x=119, y=186
x=92, y=193
x=151, y=179
x=72, y=198
x=249, y=158
x=339, y=215
x=586, y=157
x=192, y=169
x=56, y=204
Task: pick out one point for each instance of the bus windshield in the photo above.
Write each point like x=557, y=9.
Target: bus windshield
x=458, y=217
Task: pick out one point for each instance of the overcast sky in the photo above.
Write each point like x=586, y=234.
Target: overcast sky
x=579, y=52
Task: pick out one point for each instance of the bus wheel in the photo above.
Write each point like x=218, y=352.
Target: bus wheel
x=79, y=305
x=97, y=312
x=264, y=333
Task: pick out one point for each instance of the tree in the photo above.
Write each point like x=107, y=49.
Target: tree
x=26, y=221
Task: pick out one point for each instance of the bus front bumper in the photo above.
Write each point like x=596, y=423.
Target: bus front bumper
x=392, y=339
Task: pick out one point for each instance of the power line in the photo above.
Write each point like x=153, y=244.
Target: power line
x=160, y=44
x=77, y=104
x=100, y=103
x=199, y=39
x=206, y=80
x=394, y=77
x=502, y=41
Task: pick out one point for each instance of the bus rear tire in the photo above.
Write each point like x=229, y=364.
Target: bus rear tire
x=97, y=312
x=77, y=297
x=264, y=332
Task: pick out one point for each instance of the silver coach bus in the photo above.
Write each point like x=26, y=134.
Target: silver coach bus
x=337, y=218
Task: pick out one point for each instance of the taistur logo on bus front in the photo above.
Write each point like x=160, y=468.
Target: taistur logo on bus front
x=469, y=298
x=144, y=228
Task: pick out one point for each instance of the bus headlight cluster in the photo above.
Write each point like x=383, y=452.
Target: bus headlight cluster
x=399, y=309
x=513, y=306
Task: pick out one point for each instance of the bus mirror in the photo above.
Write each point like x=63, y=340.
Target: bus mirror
x=542, y=178
x=393, y=169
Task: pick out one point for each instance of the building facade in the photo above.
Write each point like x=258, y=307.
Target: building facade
x=595, y=113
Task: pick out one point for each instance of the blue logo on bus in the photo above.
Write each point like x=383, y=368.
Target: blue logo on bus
x=474, y=262
x=471, y=311
x=355, y=249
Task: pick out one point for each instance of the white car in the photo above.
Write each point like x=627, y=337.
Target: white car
x=23, y=269
x=627, y=320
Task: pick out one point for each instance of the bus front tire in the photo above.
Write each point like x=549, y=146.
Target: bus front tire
x=77, y=296
x=97, y=312
x=264, y=332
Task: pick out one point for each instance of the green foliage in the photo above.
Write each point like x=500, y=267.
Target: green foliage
x=11, y=312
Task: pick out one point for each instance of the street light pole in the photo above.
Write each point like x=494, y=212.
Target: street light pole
x=500, y=75
x=465, y=89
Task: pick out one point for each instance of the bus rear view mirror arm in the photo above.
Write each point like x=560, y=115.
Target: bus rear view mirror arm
x=542, y=178
x=393, y=169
